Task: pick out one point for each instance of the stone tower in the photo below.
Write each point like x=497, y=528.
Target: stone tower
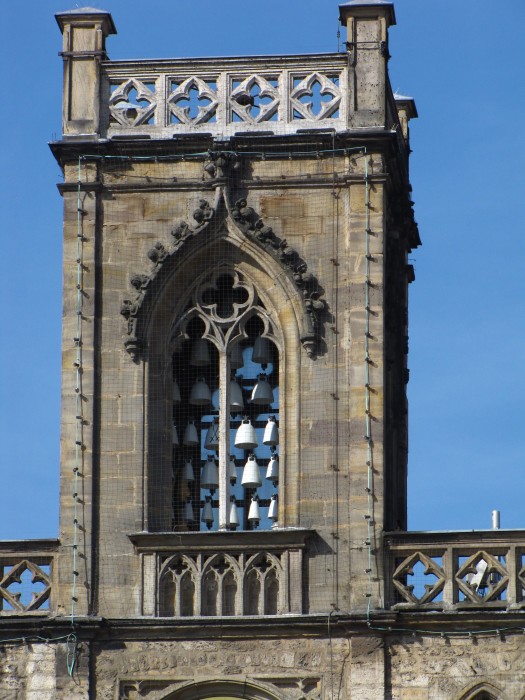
x=234, y=413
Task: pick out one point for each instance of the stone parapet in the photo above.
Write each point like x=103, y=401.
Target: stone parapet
x=456, y=570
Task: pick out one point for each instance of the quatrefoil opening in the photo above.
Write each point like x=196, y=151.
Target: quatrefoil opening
x=315, y=97
x=193, y=101
x=39, y=587
x=133, y=102
x=254, y=99
x=424, y=592
x=482, y=578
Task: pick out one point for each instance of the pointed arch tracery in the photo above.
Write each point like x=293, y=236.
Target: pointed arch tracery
x=244, y=229
x=481, y=691
x=264, y=301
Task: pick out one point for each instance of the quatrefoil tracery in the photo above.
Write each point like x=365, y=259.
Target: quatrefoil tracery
x=492, y=581
x=206, y=101
x=304, y=108
x=406, y=569
x=129, y=113
x=14, y=577
x=224, y=319
x=255, y=88
x=225, y=296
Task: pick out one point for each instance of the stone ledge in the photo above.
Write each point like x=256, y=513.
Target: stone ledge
x=223, y=541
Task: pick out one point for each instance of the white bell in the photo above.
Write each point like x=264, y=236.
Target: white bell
x=212, y=437
x=271, y=432
x=174, y=435
x=262, y=393
x=245, y=437
x=200, y=353
x=254, y=514
x=191, y=436
x=207, y=513
x=188, y=515
x=272, y=470
x=200, y=393
x=236, y=400
x=236, y=358
x=261, y=351
x=232, y=470
x=234, y=515
x=251, y=475
x=176, y=392
x=187, y=471
x=210, y=475
x=272, y=510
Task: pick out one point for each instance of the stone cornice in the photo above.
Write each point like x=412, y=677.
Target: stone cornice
x=221, y=541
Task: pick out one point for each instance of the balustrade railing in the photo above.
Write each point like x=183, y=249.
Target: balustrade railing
x=222, y=574
x=456, y=570
x=161, y=99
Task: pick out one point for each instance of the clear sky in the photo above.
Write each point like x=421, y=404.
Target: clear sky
x=464, y=64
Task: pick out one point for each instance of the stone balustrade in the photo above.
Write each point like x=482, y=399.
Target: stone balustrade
x=456, y=570
x=196, y=574
x=222, y=97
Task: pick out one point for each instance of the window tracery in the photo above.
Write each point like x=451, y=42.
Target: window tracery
x=225, y=430
x=225, y=584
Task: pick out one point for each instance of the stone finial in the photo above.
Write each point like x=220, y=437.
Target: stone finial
x=364, y=8
x=85, y=16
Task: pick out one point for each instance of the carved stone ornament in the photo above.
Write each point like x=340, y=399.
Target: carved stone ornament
x=158, y=254
x=250, y=224
x=221, y=164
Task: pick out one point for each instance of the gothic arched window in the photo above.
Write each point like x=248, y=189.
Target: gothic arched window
x=225, y=407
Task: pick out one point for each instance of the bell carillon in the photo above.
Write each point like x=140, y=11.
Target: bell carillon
x=225, y=412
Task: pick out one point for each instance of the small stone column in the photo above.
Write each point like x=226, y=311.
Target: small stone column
x=367, y=23
x=84, y=34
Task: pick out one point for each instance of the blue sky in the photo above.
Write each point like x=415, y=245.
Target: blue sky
x=463, y=62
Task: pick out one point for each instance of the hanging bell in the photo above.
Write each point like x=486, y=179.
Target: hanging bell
x=187, y=471
x=187, y=514
x=272, y=510
x=272, y=470
x=207, y=513
x=236, y=358
x=174, y=435
x=234, y=515
x=271, y=432
x=254, y=514
x=245, y=437
x=176, y=392
x=210, y=475
x=200, y=393
x=212, y=437
x=261, y=351
x=236, y=400
x=232, y=470
x=191, y=436
x=200, y=353
x=262, y=393
x=251, y=474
